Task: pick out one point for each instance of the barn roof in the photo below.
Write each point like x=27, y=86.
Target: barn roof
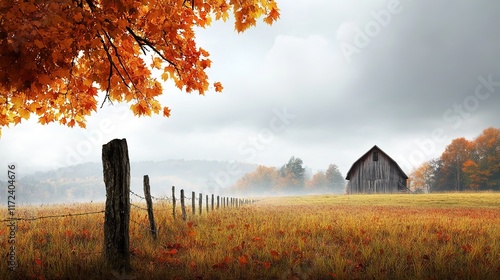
x=348, y=176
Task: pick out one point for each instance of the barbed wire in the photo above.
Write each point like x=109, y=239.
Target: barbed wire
x=84, y=213
x=141, y=197
x=51, y=216
x=165, y=198
x=137, y=206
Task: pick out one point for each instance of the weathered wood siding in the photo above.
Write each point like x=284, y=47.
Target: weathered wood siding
x=380, y=176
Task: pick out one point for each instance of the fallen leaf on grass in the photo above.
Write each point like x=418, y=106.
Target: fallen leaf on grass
x=243, y=259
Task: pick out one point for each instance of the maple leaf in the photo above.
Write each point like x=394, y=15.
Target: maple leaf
x=267, y=265
x=243, y=259
x=166, y=112
x=78, y=17
x=218, y=87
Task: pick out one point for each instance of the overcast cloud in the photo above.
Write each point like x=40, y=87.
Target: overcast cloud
x=327, y=82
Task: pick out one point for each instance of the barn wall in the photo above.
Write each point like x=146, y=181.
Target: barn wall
x=380, y=176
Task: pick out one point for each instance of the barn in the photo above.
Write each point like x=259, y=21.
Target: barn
x=376, y=172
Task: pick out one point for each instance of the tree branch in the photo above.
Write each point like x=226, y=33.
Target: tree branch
x=111, y=66
x=117, y=55
x=145, y=42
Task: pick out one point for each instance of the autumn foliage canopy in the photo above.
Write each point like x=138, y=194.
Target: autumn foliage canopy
x=57, y=54
x=464, y=165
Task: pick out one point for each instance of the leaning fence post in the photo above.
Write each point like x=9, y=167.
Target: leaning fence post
x=149, y=203
x=116, y=174
x=173, y=201
x=183, y=206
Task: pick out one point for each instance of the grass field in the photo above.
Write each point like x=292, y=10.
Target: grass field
x=435, y=236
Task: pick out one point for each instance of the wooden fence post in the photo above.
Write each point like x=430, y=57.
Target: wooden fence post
x=173, y=201
x=116, y=171
x=207, y=204
x=212, y=202
x=149, y=203
x=200, y=202
x=217, y=201
x=183, y=206
x=193, y=202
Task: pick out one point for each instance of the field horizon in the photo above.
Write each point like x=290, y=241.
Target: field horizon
x=398, y=236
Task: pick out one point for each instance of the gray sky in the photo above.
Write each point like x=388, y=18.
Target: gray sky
x=325, y=83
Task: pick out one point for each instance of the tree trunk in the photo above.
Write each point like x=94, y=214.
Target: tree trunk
x=116, y=171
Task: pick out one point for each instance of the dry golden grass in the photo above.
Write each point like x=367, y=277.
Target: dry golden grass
x=443, y=236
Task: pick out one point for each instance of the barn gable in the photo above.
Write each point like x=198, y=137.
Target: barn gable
x=376, y=172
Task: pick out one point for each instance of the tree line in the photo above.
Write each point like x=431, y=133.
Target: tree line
x=464, y=165
x=291, y=178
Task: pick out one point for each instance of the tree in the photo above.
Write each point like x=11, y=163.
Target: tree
x=423, y=177
x=293, y=174
x=440, y=179
x=482, y=170
x=262, y=180
x=335, y=180
x=330, y=181
x=317, y=183
x=57, y=55
x=487, y=156
x=475, y=177
x=454, y=156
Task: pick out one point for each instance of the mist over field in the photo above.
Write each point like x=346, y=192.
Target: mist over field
x=84, y=182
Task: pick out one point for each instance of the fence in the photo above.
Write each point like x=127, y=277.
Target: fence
x=116, y=170
x=51, y=216
x=196, y=203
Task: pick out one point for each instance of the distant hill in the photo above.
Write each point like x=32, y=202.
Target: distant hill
x=84, y=182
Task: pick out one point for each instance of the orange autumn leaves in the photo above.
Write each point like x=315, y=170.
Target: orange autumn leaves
x=57, y=55
x=464, y=165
